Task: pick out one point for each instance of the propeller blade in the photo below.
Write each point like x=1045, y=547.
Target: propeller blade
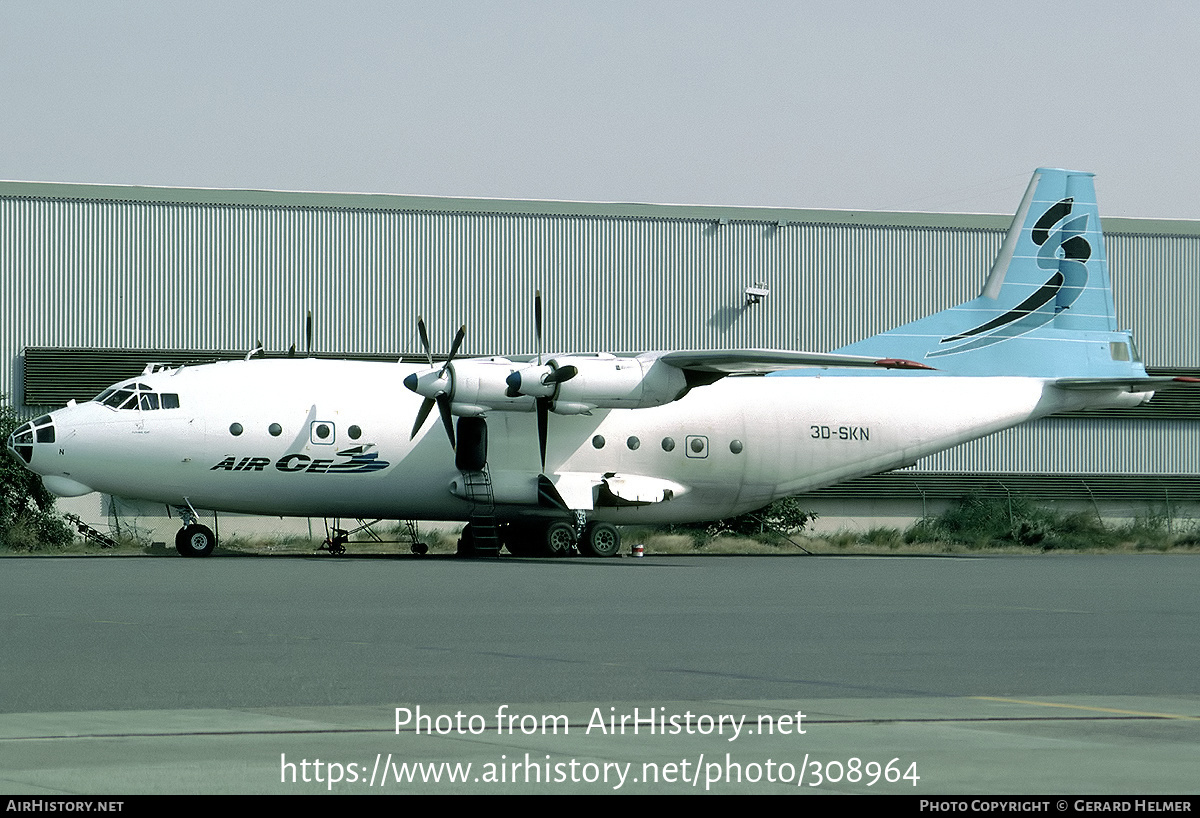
x=308, y=331
x=543, y=416
x=425, y=340
x=458, y=339
x=537, y=322
x=561, y=375
x=443, y=404
x=426, y=408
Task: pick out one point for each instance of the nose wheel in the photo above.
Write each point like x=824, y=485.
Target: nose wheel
x=195, y=541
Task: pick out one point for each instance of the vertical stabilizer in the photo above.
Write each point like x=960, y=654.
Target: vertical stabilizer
x=1046, y=309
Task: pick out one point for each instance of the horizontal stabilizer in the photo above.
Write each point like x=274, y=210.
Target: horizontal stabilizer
x=1130, y=384
x=762, y=361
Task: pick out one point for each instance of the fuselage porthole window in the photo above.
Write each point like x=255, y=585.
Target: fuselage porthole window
x=275, y=429
x=235, y=429
x=321, y=432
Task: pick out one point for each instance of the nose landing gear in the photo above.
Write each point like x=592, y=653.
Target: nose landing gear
x=195, y=541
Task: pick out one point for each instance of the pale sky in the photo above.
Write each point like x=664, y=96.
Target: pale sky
x=943, y=106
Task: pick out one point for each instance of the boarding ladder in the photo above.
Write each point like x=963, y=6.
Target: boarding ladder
x=485, y=536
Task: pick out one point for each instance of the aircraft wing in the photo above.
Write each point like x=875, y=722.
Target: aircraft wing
x=762, y=361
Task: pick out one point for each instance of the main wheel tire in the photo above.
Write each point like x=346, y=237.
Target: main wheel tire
x=602, y=540
x=520, y=540
x=559, y=539
x=195, y=541
x=466, y=542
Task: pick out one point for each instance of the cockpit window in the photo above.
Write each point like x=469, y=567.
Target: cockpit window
x=121, y=399
x=137, y=396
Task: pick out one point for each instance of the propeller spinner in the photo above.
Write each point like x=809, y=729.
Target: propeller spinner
x=435, y=385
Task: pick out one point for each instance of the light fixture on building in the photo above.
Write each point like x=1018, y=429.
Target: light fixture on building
x=756, y=292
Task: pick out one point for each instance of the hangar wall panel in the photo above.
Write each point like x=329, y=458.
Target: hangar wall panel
x=1156, y=283
x=1079, y=445
x=95, y=266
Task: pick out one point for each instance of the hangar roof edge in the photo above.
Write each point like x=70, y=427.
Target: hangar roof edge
x=414, y=203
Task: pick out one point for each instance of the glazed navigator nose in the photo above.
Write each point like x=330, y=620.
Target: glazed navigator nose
x=24, y=440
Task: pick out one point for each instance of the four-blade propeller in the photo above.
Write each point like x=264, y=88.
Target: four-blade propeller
x=436, y=385
x=539, y=382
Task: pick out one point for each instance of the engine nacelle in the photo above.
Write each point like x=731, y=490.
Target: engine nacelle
x=478, y=386
x=474, y=386
x=604, y=381
x=573, y=384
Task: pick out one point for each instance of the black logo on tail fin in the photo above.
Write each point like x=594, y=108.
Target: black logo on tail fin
x=1066, y=282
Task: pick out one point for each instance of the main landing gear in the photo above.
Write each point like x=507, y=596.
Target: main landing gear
x=602, y=540
x=559, y=539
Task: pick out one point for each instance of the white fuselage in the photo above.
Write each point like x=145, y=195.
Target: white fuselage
x=331, y=438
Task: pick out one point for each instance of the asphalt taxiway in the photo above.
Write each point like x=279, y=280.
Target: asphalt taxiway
x=915, y=675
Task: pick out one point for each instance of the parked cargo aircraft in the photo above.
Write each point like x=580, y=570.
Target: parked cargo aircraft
x=651, y=438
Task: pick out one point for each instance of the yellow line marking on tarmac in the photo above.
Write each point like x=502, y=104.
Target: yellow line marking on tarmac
x=1086, y=707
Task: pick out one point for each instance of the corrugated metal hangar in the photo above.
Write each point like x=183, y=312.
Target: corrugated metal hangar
x=96, y=281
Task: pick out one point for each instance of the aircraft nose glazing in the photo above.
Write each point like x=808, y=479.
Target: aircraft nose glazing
x=21, y=442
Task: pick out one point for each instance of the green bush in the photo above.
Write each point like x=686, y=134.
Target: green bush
x=987, y=522
x=767, y=524
x=28, y=521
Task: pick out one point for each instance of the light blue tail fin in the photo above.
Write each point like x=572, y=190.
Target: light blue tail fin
x=1047, y=307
